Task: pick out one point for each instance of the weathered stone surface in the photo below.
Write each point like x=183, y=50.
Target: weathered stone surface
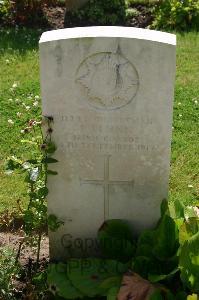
x=110, y=91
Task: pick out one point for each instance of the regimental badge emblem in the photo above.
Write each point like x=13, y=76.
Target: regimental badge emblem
x=107, y=80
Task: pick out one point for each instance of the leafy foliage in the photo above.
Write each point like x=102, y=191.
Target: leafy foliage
x=175, y=14
x=59, y=282
x=116, y=240
x=25, y=12
x=36, y=172
x=4, y=9
x=166, y=254
x=98, y=12
x=8, y=270
x=189, y=258
x=85, y=277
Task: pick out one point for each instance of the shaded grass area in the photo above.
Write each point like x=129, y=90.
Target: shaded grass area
x=184, y=182
x=19, y=66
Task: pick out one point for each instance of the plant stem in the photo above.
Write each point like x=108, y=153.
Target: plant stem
x=38, y=248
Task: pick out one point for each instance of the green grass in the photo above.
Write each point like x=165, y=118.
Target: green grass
x=19, y=62
x=185, y=142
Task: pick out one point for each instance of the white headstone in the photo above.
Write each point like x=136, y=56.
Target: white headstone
x=110, y=92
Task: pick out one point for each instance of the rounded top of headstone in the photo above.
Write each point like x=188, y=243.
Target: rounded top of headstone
x=109, y=31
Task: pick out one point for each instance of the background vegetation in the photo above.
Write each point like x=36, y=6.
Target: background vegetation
x=167, y=14
x=20, y=101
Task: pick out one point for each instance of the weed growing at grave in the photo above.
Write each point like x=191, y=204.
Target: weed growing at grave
x=35, y=172
x=160, y=264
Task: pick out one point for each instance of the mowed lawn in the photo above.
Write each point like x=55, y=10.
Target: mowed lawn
x=19, y=101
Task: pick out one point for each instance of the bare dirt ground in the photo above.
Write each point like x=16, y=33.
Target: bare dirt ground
x=13, y=240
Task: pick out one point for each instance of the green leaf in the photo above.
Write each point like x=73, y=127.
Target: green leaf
x=162, y=294
x=181, y=295
x=157, y=249
x=177, y=209
x=144, y=265
x=169, y=295
x=188, y=229
x=43, y=192
x=156, y=278
x=107, y=284
x=54, y=223
x=145, y=244
x=156, y=295
x=166, y=239
x=116, y=240
x=112, y=293
x=87, y=275
x=50, y=172
x=59, y=283
x=189, y=263
x=40, y=279
x=164, y=208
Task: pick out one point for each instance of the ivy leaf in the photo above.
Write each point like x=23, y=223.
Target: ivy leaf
x=116, y=240
x=59, y=283
x=189, y=263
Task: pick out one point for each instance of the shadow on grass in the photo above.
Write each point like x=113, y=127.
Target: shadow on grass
x=21, y=39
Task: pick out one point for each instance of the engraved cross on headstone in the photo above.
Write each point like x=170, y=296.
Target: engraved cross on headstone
x=106, y=182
